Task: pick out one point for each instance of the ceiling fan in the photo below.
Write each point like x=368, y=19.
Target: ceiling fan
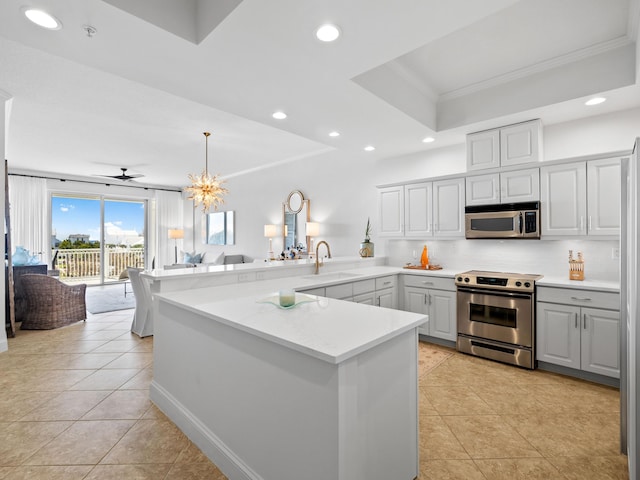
x=123, y=176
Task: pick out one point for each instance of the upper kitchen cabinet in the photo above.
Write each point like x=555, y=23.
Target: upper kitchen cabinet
x=506, y=187
x=422, y=210
x=448, y=208
x=580, y=198
x=418, y=216
x=391, y=208
x=506, y=146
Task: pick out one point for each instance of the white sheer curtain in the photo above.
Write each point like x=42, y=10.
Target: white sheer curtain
x=28, y=204
x=169, y=215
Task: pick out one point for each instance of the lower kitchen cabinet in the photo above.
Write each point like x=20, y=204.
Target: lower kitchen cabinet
x=420, y=296
x=583, y=338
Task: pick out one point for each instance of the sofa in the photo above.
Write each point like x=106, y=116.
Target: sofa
x=222, y=259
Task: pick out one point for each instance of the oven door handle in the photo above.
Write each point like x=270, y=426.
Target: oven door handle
x=495, y=293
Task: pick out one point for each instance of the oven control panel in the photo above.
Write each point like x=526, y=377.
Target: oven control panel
x=518, y=282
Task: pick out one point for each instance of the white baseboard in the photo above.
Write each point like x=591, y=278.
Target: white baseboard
x=4, y=344
x=214, y=448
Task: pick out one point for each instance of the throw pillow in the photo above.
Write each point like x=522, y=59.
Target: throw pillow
x=219, y=260
x=192, y=257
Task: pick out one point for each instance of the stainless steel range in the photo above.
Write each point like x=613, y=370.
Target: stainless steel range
x=496, y=316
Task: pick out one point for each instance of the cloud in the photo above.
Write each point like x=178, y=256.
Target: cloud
x=66, y=208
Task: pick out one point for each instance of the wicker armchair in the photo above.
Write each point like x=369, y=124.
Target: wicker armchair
x=51, y=303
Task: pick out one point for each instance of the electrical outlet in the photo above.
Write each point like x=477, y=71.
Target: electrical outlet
x=615, y=253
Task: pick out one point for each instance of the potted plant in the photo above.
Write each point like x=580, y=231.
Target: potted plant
x=366, y=247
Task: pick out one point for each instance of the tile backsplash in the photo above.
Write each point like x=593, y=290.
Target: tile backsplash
x=546, y=257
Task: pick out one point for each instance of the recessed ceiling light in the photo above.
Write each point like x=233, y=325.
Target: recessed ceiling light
x=279, y=115
x=595, y=101
x=327, y=33
x=42, y=19
x=428, y=139
x=369, y=148
x=334, y=134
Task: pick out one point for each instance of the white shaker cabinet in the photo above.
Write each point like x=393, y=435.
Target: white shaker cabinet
x=448, y=208
x=520, y=143
x=391, y=209
x=563, y=193
x=418, y=216
x=422, y=209
x=581, y=198
x=603, y=199
x=505, y=146
x=505, y=187
x=483, y=150
x=576, y=336
x=435, y=297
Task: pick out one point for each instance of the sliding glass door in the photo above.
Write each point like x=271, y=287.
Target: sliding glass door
x=94, y=239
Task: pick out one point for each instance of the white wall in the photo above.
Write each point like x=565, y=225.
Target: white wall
x=343, y=194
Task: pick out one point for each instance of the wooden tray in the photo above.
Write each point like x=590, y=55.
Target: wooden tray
x=420, y=267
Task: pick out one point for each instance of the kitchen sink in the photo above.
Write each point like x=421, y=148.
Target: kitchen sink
x=329, y=277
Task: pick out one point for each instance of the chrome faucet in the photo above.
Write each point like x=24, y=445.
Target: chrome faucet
x=318, y=263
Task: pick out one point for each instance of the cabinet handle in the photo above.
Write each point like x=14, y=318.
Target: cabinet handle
x=425, y=299
x=424, y=282
x=584, y=320
x=576, y=320
x=386, y=283
x=589, y=222
x=429, y=299
x=581, y=299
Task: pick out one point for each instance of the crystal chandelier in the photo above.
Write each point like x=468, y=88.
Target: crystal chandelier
x=206, y=189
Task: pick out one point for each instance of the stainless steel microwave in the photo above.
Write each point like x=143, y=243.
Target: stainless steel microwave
x=509, y=220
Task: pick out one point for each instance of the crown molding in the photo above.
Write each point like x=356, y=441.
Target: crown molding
x=540, y=67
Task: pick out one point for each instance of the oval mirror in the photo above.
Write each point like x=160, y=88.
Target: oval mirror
x=295, y=201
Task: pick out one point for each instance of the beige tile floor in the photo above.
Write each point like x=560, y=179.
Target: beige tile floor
x=74, y=405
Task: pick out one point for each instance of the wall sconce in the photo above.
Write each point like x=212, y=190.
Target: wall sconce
x=176, y=234
x=270, y=231
x=312, y=230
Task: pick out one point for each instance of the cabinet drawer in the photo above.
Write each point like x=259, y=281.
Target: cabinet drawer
x=364, y=286
x=314, y=291
x=425, y=281
x=581, y=298
x=344, y=290
x=385, y=282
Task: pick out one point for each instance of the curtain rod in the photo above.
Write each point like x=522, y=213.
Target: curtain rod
x=96, y=183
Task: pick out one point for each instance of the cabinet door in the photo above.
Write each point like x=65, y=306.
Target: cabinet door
x=417, y=210
x=601, y=341
x=386, y=298
x=520, y=186
x=520, y=143
x=563, y=194
x=558, y=334
x=448, y=208
x=442, y=315
x=603, y=204
x=482, y=189
x=391, y=204
x=416, y=301
x=483, y=150
x=365, y=298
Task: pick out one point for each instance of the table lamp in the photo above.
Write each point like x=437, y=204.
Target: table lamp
x=312, y=230
x=176, y=234
x=270, y=231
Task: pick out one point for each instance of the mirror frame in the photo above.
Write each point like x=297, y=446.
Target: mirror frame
x=291, y=206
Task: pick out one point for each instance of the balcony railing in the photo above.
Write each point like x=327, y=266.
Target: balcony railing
x=84, y=264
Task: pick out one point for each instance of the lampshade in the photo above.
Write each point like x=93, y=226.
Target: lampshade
x=270, y=231
x=176, y=233
x=313, y=229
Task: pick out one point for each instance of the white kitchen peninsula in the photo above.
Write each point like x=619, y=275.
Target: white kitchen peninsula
x=326, y=390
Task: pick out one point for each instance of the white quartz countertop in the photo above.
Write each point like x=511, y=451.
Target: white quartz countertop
x=328, y=329
x=587, y=284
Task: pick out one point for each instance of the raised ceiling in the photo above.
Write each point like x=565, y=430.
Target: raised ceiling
x=140, y=92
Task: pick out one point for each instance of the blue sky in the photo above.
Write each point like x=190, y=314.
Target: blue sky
x=78, y=215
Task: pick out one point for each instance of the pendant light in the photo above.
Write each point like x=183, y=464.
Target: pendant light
x=206, y=189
